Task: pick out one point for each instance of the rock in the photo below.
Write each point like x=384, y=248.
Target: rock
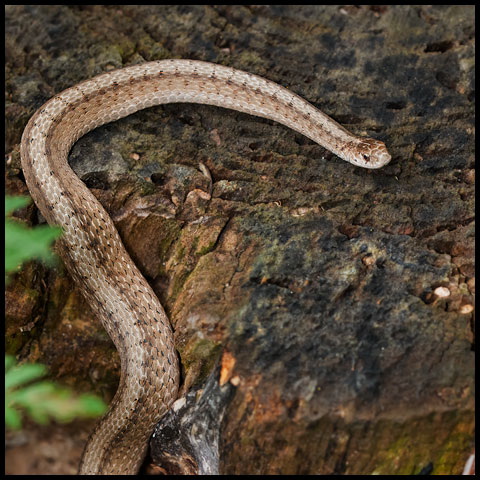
x=307, y=283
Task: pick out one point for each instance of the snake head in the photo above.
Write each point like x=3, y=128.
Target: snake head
x=367, y=153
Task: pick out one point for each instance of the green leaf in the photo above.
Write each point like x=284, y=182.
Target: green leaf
x=22, y=243
x=9, y=362
x=23, y=374
x=13, y=419
x=24, y=393
x=14, y=203
x=43, y=400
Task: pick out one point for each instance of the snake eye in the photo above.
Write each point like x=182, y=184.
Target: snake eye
x=366, y=157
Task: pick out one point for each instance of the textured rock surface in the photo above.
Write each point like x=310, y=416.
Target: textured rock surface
x=317, y=281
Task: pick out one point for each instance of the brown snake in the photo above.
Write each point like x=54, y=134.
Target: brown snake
x=91, y=247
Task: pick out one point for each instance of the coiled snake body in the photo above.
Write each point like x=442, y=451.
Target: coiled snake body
x=91, y=247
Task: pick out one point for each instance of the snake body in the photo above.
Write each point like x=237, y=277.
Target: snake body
x=92, y=249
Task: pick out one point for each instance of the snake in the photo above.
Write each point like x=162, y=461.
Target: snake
x=92, y=250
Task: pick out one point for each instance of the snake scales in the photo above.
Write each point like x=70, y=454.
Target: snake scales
x=91, y=247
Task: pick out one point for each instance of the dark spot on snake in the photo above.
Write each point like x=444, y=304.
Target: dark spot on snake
x=93, y=243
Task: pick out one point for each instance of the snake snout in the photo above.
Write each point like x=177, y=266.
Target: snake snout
x=383, y=158
x=379, y=157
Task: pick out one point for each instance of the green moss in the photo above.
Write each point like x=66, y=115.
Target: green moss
x=170, y=232
x=195, y=242
x=180, y=253
x=147, y=188
x=201, y=354
x=178, y=284
x=205, y=249
x=420, y=442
